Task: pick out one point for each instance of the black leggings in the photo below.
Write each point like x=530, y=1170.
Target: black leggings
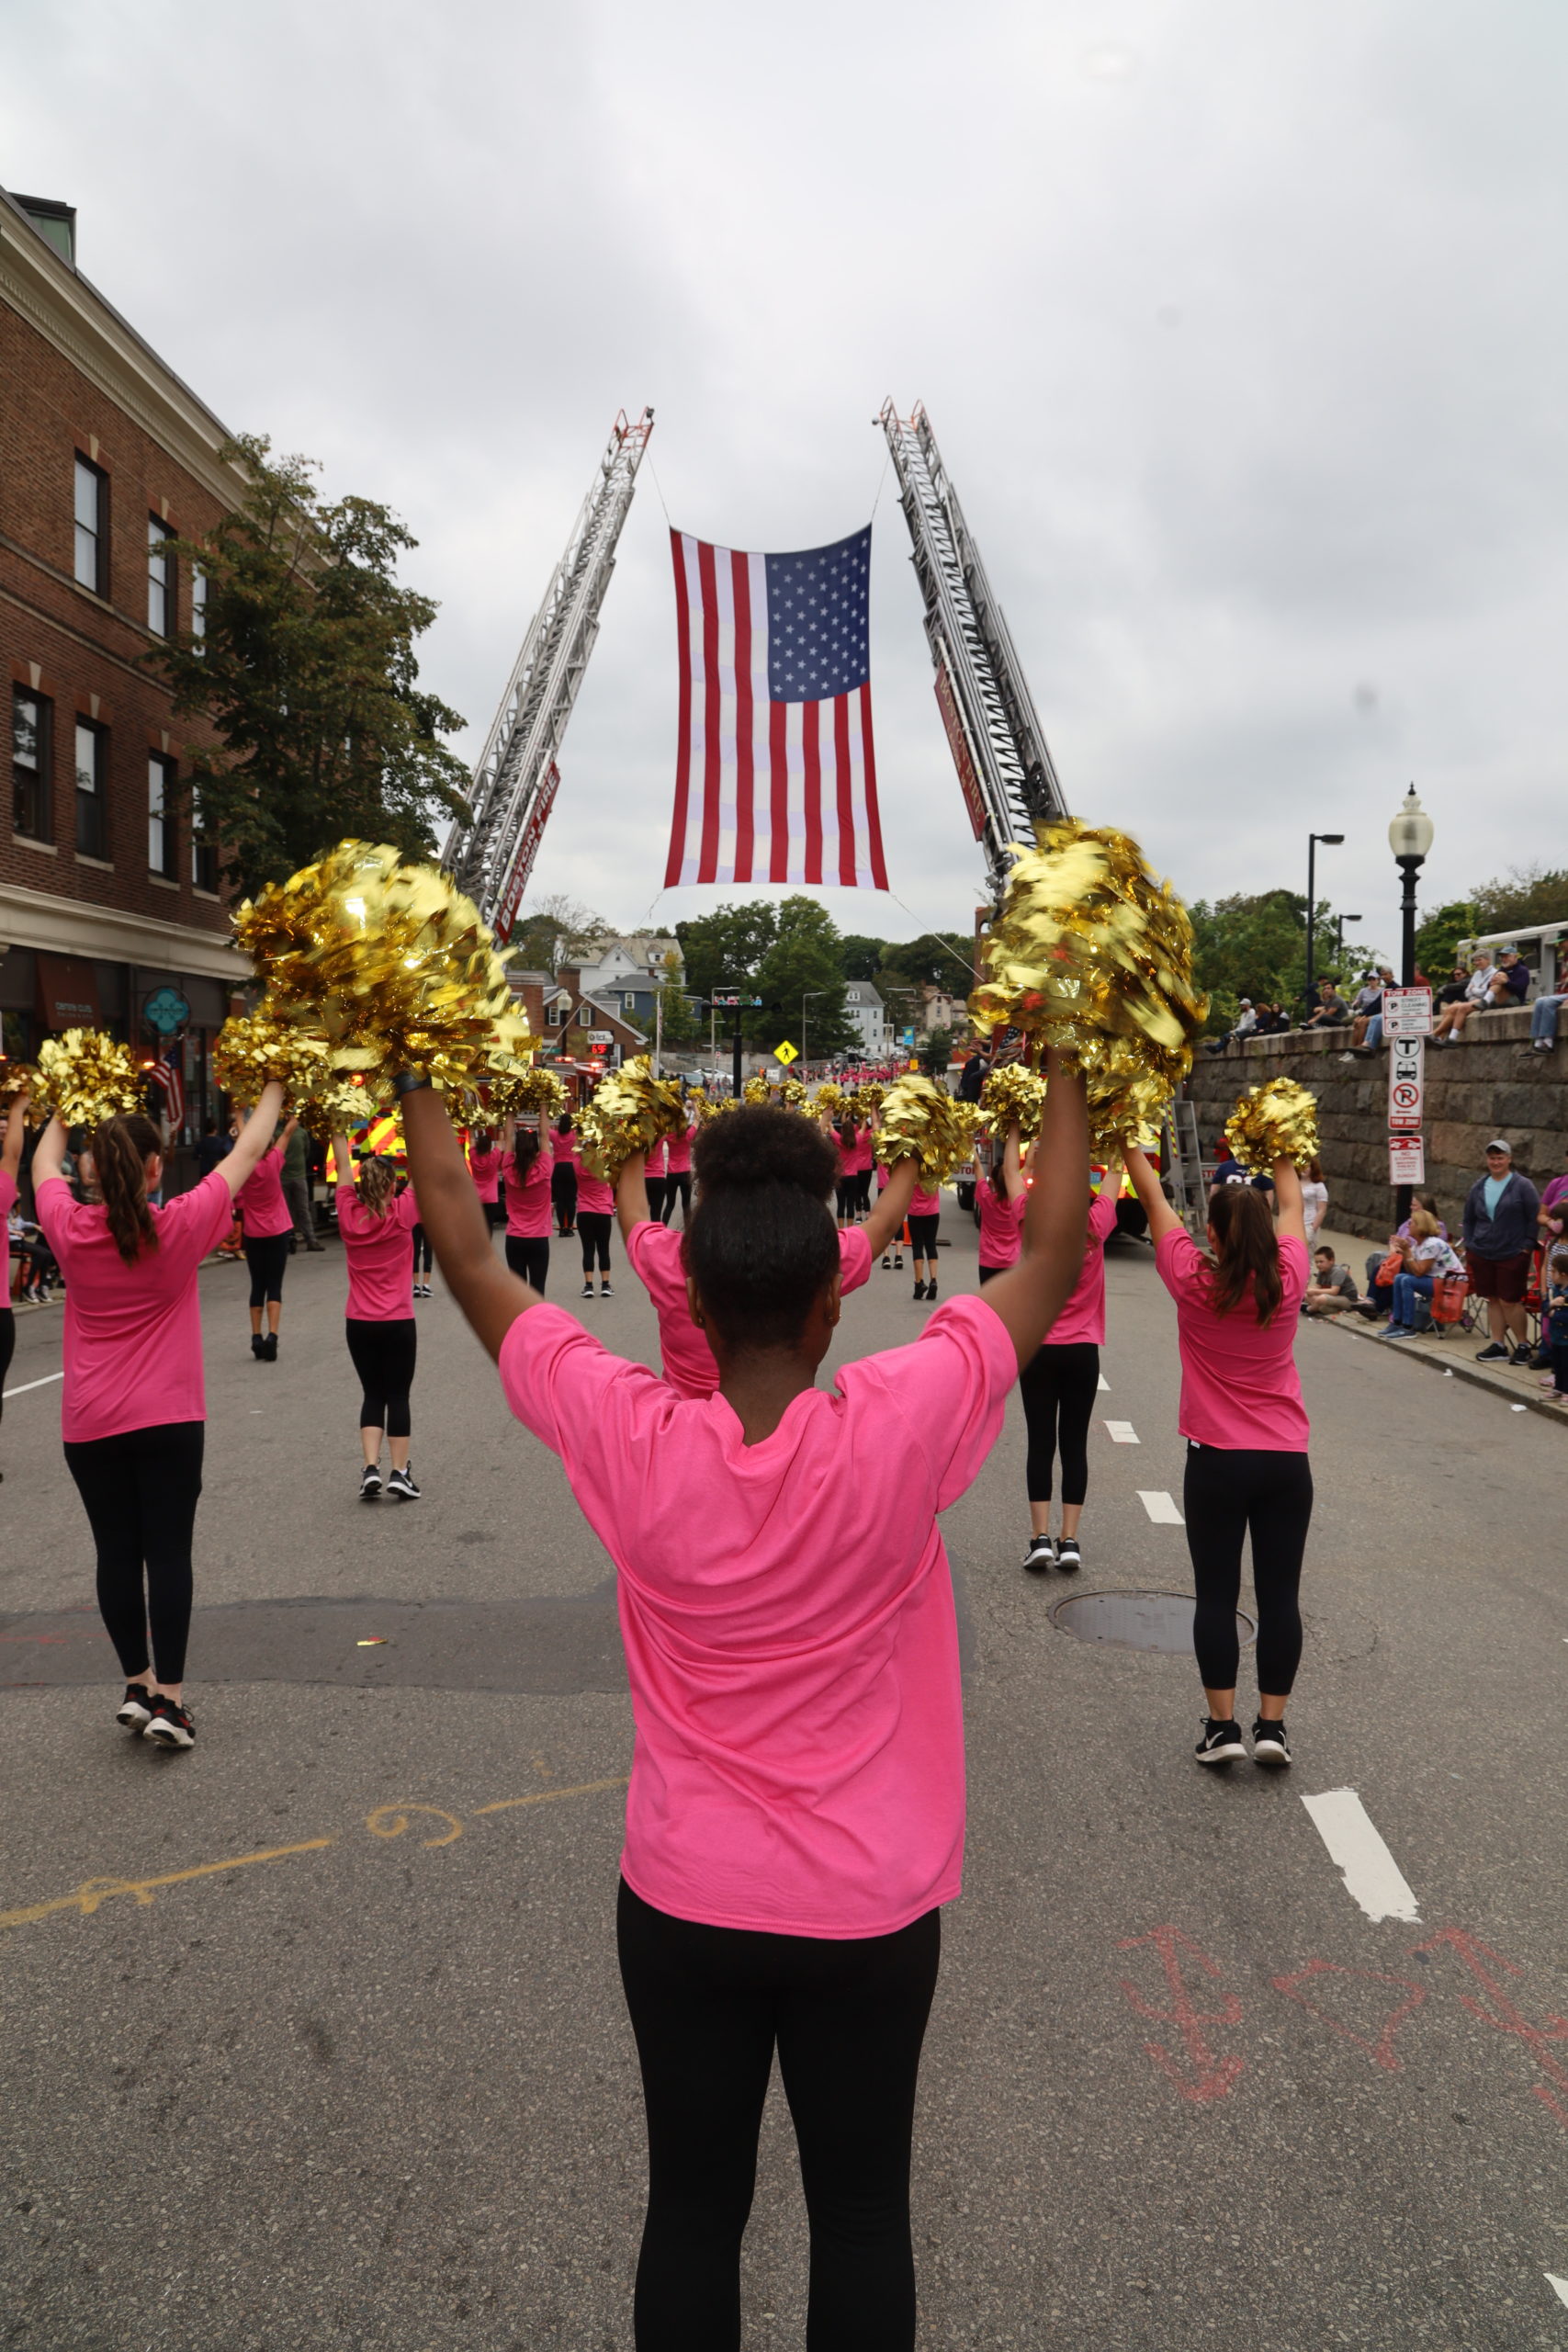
x=7, y=1348
x=1227, y=1495
x=384, y=1356
x=563, y=1193
x=594, y=1226
x=267, y=1256
x=141, y=1489
x=421, y=1250
x=863, y=1191
x=922, y=1237
x=680, y=1183
x=707, y=2006
x=528, y=1255
x=1058, y=1392
x=656, y=1197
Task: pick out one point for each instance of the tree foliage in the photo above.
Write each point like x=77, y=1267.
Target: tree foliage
x=306, y=673
x=557, y=932
x=782, y=953
x=935, y=1051
x=1255, y=946
x=682, y=1022
x=1520, y=899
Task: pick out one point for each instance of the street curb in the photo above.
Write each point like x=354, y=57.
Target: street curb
x=1460, y=1371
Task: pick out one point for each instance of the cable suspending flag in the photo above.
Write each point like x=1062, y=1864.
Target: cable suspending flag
x=775, y=776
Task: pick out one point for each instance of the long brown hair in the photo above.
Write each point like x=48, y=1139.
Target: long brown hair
x=121, y=1148
x=1246, y=1251
x=374, y=1184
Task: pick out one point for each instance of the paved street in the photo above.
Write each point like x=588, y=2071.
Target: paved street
x=314, y=2037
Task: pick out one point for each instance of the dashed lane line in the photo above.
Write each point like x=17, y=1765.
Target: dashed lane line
x=1123, y=1433
x=1558, y=2286
x=1372, y=1875
x=1161, y=1508
x=23, y=1386
x=1104, y=1383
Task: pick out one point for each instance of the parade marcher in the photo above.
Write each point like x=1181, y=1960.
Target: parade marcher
x=297, y=1188
x=269, y=1234
x=10, y=1161
x=1246, y=1432
x=658, y=1258
x=655, y=1180
x=865, y=1153
x=595, y=1216
x=925, y=1215
x=1001, y=1196
x=423, y=1259
x=678, y=1175
x=484, y=1167
x=133, y=1407
x=795, y=1812
x=844, y=1182
x=1057, y=1389
x=563, y=1180
x=893, y=1245
x=527, y=1173
x=376, y=1221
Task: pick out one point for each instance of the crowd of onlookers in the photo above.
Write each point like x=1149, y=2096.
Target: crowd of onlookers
x=1485, y=983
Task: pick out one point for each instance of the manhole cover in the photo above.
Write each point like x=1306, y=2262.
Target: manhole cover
x=1137, y=1621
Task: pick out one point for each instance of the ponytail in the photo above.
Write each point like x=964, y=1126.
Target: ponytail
x=1247, y=1251
x=121, y=1148
x=373, y=1185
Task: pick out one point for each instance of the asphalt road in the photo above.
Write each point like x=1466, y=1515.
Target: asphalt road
x=314, y=2037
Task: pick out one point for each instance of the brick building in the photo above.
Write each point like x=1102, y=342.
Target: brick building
x=110, y=905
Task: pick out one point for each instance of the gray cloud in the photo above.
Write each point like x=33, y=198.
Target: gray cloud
x=1239, y=331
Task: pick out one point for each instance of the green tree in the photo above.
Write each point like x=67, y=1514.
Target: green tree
x=1524, y=896
x=934, y=1051
x=1256, y=946
x=682, y=1024
x=724, y=949
x=1437, y=939
x=942, y=959
x=804, y=961
x=306, y=675
x=556, y=932
x=860, y=958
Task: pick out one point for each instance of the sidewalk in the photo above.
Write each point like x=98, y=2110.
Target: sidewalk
x=1454, y=1352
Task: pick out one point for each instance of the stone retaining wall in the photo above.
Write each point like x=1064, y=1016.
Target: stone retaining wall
x=1489, y=1084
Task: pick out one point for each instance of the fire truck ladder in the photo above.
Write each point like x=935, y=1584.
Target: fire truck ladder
x=514, y=775
x=973, y=652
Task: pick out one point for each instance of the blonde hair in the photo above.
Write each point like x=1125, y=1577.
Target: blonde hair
x=1423, y=1225
x=374, y=1185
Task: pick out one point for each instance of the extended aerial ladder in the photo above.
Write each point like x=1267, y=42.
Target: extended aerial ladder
x=998, y=743
x=516, y=776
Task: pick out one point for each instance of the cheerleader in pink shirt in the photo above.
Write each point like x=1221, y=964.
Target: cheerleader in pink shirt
x=134, y=1409
x=484, y=1167
x=10, y=1161
x=269, y=1231
x=376, y=1223
x=795, y=1815
x=678, y=1175
x=527, y=1174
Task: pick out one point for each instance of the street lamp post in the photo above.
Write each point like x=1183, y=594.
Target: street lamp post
x=1410, y=838
x=1339, y=923
x=1331, y=841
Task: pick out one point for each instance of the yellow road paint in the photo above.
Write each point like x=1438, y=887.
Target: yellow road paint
x=87, y=1898
x=396, y=1817
x=549, y=1796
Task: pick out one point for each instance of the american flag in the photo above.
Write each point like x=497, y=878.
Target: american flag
x=775, y=777
x=169, y=1079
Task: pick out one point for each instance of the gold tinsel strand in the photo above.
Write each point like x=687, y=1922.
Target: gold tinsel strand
x=869, y=1098
x=921, y=1119
x=1093, y=956
x=829, y=1100
x=336, y=1107
x=85, y=1076
x=254, y=1048
x=793, y=1095
x=1014, y=1096
x=388, y=963
x=1275, y=1121
x=529, y=1092
x=701, y=1107
x=628, y=1112
x=757, y=1089
x=22, y=1078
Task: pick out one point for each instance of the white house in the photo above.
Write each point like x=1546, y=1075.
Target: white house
x=864, y=1010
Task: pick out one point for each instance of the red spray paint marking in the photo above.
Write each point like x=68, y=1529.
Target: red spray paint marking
x=1503, y=2014
x=1380, y=2051
x=1211, y=2077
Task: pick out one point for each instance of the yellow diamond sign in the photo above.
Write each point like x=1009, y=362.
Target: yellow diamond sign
x=786, y=1053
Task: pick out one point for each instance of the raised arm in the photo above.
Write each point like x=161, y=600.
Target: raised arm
x=254, y=1138
x=631, y=1194
x=1162, y=1217
x=49, y=1159
x=1012, y=1164
x=1030, y=1296
x=892, y=1207
x=16, y=1127
x=343, y=1160
x=1291, y=1224
x=453, y=1219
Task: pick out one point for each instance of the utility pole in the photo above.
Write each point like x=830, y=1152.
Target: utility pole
x=1313, y=840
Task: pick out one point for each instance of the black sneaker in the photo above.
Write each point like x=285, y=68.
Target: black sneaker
x=1522, y=1355
x=170, y=1726
x=135, y=1710
x=919, y=1291
x=587, y=1289
x=1041, y=1556
x=1069, y=1556
x=605, y=1292
x=401, y=1488
x=1495, y=1353
x=886, y=1263
x=269, y=1347
x=370, y=1483
x=899, y=1262
x=1220, y=1743
x=1270, y=1745
x=931, y=1293
x=258, y=1346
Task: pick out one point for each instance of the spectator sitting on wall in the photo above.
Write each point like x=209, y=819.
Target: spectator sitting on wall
x=1272, y=1021
x=1331, y=1288
x=1500, y=1216
x=1332, y=1013
x=1477, y=992
x=1511, y=983
x=1245, y=1023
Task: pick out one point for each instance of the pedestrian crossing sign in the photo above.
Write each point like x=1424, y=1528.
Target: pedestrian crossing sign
x=786, y=1053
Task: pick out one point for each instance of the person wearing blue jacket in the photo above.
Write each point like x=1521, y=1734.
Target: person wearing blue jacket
x=1499, y=1236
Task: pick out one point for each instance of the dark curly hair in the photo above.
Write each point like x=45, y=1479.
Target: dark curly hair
x=762, y=1245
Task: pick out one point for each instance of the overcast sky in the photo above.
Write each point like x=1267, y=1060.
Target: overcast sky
x=1241, y=329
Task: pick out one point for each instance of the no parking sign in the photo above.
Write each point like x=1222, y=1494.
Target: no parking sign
x=1405, y=1081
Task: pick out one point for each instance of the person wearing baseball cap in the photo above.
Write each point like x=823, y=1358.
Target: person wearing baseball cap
x=1500, y=1217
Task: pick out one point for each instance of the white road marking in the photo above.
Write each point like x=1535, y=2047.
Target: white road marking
x=35, y=1383
x=1517, y=1408
x=1160, y=1508
x=1558, y=2285
x=1104, y=1382
x=1372, y=1874
x=1123, y=1433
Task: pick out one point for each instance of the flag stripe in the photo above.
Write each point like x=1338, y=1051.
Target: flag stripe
x=846, y=790
x=811, y=777
x=674, y=862
x=873, y=812
x=778, y=786
x=707, y=865
x=741, y=584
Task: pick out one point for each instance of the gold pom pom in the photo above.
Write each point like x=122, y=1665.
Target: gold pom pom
x=920, y=1119
x=628, y=1113
x=1275, y=1121
x=793, y=1095
x=829, y=1100
x=84, y=1076
x=254, y=1048
x=1014, y=1096
x=701, y=1107
x=869, y=1099
x=1092, y=955
x=527, y=1093
x=757, y=1089
x=389, y=964
x=22, y=1078
x=335, y=1107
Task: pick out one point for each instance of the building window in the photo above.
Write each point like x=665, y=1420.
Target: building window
x=31, y=732
x=163, y=827
x=203, y=850
x=556, y=1012
x=585, y=1016
x=91, y=528
x=92, y=831
x=198, y=601
x=160, y=579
